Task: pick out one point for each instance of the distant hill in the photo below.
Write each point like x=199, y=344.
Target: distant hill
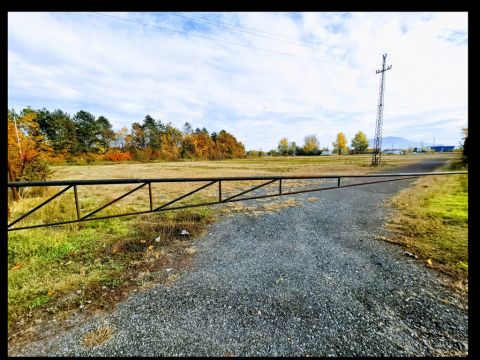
x=398, y=143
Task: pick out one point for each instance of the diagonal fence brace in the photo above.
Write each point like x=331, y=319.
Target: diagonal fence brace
x=249, y=190
x=184, y=196
x=39, y=206
x=113, y=201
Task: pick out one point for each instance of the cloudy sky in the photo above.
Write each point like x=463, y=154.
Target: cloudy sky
x=260, y=76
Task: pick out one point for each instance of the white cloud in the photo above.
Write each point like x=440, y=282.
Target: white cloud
x=125, y=70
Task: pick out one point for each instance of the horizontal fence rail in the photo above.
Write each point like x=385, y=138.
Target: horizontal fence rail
x=68, y=184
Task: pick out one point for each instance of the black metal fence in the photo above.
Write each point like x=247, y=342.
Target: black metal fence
x=210, y=182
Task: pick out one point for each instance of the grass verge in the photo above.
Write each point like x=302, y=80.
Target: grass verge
x=431, y=221
x=82, y=268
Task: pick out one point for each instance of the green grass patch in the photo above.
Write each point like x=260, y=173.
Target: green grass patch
x=432, y=221
x=55, y=270
x=50, y=262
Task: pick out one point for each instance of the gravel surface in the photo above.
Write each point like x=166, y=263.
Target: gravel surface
x=309, y=280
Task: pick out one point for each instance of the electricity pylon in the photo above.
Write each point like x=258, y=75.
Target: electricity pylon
x=377, y=147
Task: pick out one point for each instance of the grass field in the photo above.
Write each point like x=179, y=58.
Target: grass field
x=299, y=165
x=431, y=221
x=57, y=271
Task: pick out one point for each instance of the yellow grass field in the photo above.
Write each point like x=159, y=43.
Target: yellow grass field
x=91, y=197
x=299, y=165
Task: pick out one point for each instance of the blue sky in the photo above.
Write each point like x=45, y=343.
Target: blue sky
x=260, y=76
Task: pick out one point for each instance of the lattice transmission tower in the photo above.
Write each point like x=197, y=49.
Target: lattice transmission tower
x=377, y=146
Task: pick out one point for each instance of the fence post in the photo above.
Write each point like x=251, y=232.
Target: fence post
x=219, y=190
x=77, y=205
x=150, y=195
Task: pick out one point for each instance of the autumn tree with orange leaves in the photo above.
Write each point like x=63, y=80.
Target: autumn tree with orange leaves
x=28, y=149
x=55, y=136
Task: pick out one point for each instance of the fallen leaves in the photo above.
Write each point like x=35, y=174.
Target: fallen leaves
x=16, y=267
x=429, y=262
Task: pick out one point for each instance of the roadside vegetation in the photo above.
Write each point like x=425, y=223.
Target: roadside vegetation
x=431, y=221
x=59, y=271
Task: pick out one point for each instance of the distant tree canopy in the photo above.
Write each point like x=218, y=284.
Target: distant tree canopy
x=283, y=146
x=360, y=142
x=340, y=144
x=58, y=136
x=310, y=145
x=93, y=135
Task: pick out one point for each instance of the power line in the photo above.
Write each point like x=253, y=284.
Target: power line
x=208, y=37
x=246, y=28
x=251, y=30
x=255, y=32
x=241, y=29
x=216, y=39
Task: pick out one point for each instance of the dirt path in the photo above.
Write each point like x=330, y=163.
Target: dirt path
x=309, y=280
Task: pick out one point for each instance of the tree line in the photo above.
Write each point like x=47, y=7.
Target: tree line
x=38, y=137
x=311, y=145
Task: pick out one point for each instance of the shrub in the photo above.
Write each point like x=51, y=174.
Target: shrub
x=117, y=155
x=36, y=170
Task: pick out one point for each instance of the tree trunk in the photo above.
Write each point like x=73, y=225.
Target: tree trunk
x=16, y=197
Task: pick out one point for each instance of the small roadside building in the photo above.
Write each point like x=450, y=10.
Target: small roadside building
x=394, y=151
x=442, y=148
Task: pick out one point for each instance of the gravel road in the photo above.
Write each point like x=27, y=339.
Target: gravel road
x=309, y=280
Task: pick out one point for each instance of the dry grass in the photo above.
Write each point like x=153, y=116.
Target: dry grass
x=299, y=165
x=191, y=250
x=170, y=279
x=280, y=205
x=98, y=336
x=91, y=197
x=317, y=165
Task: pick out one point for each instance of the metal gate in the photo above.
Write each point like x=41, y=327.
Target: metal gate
x=211, y=181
